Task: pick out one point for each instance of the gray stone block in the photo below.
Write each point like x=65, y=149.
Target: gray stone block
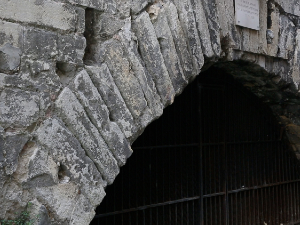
x=150, y=52
x=180, y=41
x=189, y=26
x=118, y=64
x=113, y=99
x=168, y=51
x=18, y=108
x=68, y=154
x=74, y=115
x=98, y=112
x=46, y=13
x=10, y=58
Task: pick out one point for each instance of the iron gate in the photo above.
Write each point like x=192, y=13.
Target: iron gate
x=217, y=156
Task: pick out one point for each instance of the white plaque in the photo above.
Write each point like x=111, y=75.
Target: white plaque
x=247, y=13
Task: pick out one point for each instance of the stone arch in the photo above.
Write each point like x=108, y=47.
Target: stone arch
x=77, y=91
x=254, y=78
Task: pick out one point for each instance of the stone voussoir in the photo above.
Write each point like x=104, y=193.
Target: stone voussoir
x=44, y=13
x=112, y=97
x=66, y=151
x=168, y=50
x=74, y=115
x=150, y=52
x=189, y=26
x=98, y=112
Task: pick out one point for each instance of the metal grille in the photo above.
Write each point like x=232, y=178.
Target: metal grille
x=216, y=156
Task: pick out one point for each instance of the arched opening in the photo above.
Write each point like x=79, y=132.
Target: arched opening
x=216, y=156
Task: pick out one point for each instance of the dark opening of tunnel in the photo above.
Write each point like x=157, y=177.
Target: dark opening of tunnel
x=216, y=156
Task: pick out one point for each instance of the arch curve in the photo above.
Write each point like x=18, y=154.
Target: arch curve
x=81, y=79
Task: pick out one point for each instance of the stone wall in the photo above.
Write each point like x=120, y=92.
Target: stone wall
x=81, y=79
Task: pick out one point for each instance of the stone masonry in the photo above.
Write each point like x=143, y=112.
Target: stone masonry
x=81, y=79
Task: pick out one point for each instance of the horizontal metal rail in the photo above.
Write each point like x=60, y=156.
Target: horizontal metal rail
x=204, y=144
x=192, y=199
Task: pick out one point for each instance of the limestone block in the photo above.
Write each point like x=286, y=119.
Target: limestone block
x=98, y=112
x=295, y=62
x=11, y=33
x=145, y=80
x=286, y=37
x=74, y=115
x=66, y=152
x=168, y=51
x=275, y=26
x=211, y=12
x=290, y=6
x=45, y=13
x=65, y=203
x=179, y=40
x=40, y=44
x=101, y=5
x=80, y=25
x=150, y=52
x=189, y=26
x=42, y=170
x=18, y=108
x=113, y=99
x=138, y=5
x=203, y=28
x=71, y=48
x=107, y=24
x=11, y=145
x=10, y=58
x=118, y=64
x=228, y=32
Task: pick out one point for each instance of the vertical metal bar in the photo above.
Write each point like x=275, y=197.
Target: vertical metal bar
x=201, y=121
x=225, y=124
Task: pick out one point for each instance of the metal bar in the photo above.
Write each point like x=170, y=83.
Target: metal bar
x=201, y=126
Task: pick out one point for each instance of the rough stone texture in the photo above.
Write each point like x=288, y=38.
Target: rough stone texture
x=154, y=61
x=44, y=12
x=90, y=98
x=81, y=79
x=74, y=115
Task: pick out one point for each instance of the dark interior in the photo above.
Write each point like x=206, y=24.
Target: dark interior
x=216, y=156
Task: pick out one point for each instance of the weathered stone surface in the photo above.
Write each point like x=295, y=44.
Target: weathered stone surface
x=109, y=92
x=9, y=58
x=189, y=26
x=46, y=13
x=138, y=5
x=180, y=41
x=118, y=64
x=39, y=44
x=273, y=28
x=71, y=160
x=290, y=6
x=228, y=31
x=98, y=112
x=145, y=80
x=203, y=28
x=11, y=33
x=73, y=114
x=11, y=146
x=66, y=127
x=18, y=108
x=168, y=50
x=154, y=61
x=65, y=204
x=101, y=5
x=71, y=48
x=286, y=37
x=211, y=12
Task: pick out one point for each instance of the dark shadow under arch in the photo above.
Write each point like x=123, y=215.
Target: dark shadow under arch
x=216, y=156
